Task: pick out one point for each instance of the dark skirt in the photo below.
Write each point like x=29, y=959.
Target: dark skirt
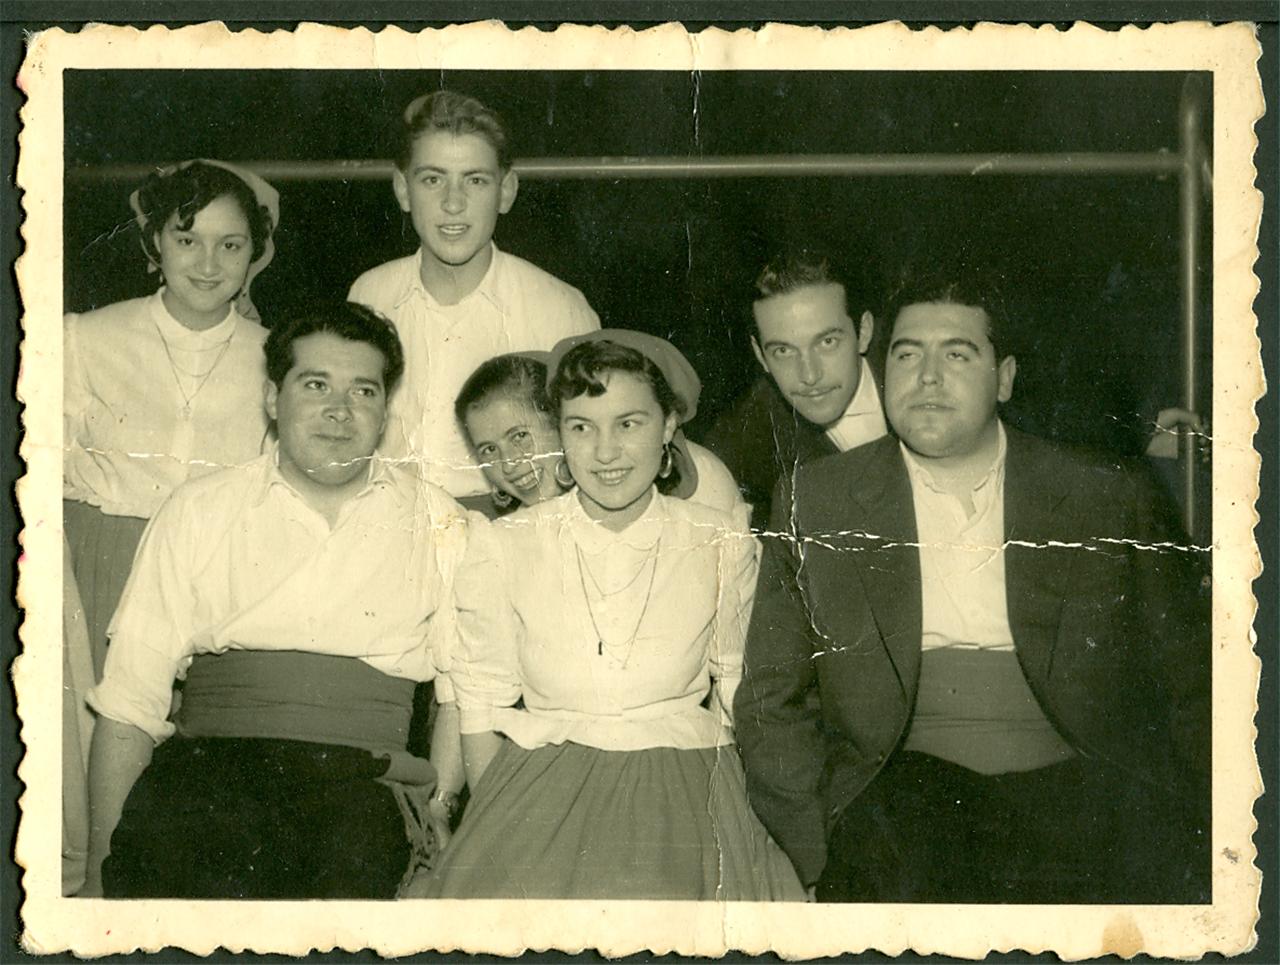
x=102, y=550
x=568, y=821
x=259, y=819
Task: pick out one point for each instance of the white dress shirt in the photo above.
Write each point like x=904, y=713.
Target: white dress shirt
x=516, y=307
x=716, y=486
x=612, y=639
x=128, y=440
x=962, y=559
x=237, y=560
x=863, y=419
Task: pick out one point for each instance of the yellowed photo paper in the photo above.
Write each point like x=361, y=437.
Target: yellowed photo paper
x=724, y=492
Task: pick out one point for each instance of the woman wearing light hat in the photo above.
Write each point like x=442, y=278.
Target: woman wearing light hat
x=156, y=390
x=506, y=418
x=166, y=387
x=609, y=611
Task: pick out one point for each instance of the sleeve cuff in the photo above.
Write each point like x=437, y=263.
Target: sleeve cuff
x=477, y=720
x=105, y=704
x=444, y=689
x=725, y=689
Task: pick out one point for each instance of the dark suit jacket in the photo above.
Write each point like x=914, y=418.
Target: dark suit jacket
x=1109, y=617
x=761, y=438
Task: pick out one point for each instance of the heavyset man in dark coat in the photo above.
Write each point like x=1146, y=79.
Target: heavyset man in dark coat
x=1005, y=698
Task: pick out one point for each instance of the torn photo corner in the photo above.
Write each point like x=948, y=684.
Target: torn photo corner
x=1108, y=175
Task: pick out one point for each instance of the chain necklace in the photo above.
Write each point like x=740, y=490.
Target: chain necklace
x=648, y=594
x=188, y=400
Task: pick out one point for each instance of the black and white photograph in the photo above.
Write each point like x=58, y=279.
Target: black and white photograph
x=799, y=488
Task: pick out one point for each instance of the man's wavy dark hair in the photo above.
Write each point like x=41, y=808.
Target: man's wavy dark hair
x=347, y=320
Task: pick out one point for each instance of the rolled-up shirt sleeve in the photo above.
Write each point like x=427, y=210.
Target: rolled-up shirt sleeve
x=151, y=631
x=739, y=563
x=484, y=668
x=452, y=529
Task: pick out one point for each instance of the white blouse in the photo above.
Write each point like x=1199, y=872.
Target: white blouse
x=140, y=417
x=716, y=486
x=611, y=639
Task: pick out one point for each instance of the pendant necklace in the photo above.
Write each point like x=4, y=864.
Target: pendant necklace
x=188, y=400
x=644, y=608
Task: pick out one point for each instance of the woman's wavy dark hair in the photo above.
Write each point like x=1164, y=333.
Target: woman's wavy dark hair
x=513, y=375
x=189, y=191
x=583, y=369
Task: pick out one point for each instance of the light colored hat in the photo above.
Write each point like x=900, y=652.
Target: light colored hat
x=675, y=368
x=267, y=197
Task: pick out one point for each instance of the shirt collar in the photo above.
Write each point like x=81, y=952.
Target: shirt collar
x=595, y=537
x=993, y=477
x=381, y=477
x=866, y=401
x=488, y=289
x=179, y=335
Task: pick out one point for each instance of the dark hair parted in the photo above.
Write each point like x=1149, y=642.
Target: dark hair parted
x=186, y=192
x=455, y=114
x=514, y=375
x=795, y=268
x=584, y=370
x=955, y=280
x=348, y=320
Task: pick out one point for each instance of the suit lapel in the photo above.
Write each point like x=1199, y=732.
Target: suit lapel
x=889, y=559
x=1036, y=572
x=812, y=442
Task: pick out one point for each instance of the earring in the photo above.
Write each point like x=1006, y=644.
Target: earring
x=668, y=462
x=564, y=483
x=501, y=498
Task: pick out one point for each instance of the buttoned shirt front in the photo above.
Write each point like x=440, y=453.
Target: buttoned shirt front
x=863, y=419
x=516, y=307
x=963, y=596
x=237, y=560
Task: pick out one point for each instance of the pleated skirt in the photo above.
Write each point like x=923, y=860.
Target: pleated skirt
x=574, y=822
x=102, y=549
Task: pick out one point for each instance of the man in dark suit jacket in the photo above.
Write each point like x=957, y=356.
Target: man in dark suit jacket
x=818, y=395
x=979, y=669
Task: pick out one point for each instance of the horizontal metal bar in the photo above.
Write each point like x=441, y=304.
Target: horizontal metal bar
x=727, y=166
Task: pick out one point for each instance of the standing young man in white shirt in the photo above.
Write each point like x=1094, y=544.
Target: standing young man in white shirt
x=979, y=669
x=301, y=596
x=819, y=396
x=458, y=301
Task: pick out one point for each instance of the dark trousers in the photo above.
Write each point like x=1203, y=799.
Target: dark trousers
x=258, y=819
x=928, y=830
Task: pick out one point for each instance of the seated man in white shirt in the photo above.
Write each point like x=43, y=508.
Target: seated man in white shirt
x=302, y=596
x=979, y=669
x=458, y=301
x=818, y=395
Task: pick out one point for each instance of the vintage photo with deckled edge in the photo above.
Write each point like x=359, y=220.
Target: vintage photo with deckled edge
x=91, y=927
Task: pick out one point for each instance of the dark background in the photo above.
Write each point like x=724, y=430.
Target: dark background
x=19, y=16
x=1090, y=262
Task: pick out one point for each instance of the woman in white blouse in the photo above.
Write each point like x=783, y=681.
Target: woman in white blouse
x=157, y=390
x=593, y=625
x=163, y=388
